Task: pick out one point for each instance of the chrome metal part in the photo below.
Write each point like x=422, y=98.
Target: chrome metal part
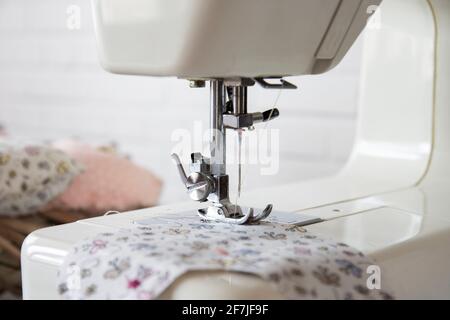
x=208, y=179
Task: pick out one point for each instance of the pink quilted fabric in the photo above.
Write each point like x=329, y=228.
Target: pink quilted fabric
x=109, y=182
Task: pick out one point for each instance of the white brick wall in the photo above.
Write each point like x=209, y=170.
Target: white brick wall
x=51, y=86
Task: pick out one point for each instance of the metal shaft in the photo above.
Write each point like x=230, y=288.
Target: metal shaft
x=218, y=138
x=240, y=100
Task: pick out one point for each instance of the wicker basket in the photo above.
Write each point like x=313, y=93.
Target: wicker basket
x=12, y=233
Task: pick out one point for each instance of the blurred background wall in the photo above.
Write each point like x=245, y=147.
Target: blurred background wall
x=52, y=87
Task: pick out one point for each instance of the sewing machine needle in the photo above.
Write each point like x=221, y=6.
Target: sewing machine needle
x=239, y=132
x=239, y=158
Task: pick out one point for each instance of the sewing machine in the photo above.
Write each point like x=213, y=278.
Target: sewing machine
x=391, y=200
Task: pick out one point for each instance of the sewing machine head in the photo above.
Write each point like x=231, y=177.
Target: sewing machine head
x=232, y=44
x=210, y=39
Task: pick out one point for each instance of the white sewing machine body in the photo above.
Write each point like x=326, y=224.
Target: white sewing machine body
x=391, y=200
x=216, y=39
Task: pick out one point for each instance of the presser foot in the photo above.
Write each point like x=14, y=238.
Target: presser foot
x=234, y=214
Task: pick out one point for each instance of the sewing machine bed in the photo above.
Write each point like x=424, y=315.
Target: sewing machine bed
x=387, y=229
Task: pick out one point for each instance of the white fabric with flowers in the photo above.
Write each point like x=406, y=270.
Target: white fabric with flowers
x=141, y=262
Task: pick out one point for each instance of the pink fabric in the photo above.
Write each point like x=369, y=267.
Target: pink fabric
x=109, y=182
x=3, y=132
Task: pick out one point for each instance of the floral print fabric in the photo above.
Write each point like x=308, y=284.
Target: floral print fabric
x=32, y=175
x=141, y=262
